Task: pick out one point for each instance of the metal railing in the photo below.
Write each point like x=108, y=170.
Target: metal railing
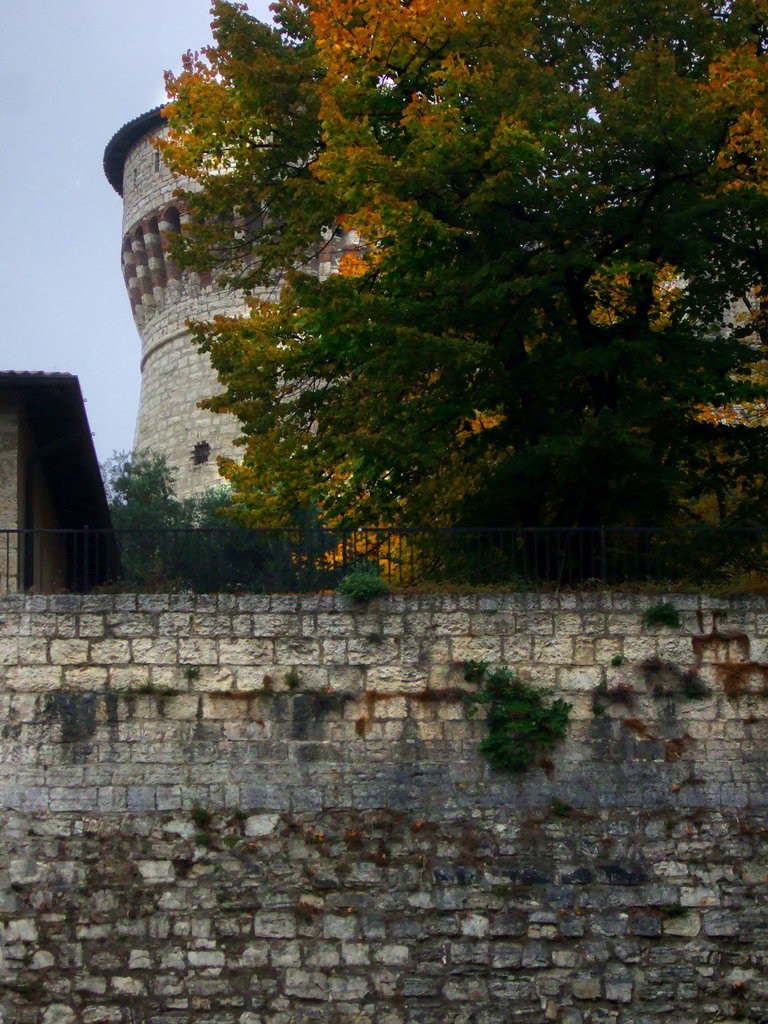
x=293, y=560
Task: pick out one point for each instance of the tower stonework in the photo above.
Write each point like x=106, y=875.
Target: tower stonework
x=175, y=377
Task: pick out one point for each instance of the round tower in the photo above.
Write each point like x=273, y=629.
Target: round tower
x=174, y=375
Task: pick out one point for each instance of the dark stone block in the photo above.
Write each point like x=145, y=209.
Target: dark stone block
x=581, y=876
x=618, y=874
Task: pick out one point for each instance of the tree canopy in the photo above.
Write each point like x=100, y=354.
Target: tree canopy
x=562, y=209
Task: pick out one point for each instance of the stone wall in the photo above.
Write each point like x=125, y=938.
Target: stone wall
x=267, y=810
x=9, y=492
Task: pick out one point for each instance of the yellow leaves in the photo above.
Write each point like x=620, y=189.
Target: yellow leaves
x=352, y=264
x=668, y=288
x=380, y=29
x=738, y=88
x=616, y=293
x=612, y=294
x=748, y=414
x=481, y=421
x=397, y=558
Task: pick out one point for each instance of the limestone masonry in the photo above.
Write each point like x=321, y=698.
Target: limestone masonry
x=272, y=809
x=175, y=377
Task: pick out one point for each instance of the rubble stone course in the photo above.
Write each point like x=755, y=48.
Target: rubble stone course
x=272, y=809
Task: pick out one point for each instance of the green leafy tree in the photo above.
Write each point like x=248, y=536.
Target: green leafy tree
x=562, y=204
x=168, y=543
x=141, y=491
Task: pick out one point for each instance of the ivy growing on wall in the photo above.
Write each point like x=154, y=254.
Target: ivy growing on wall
x=521, y=724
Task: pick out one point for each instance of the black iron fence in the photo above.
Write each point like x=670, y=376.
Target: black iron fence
x=293, y=560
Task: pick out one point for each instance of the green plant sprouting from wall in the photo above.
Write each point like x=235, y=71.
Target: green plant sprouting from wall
x=292, y=679
x=662, y=614
x=362, y=583
x=521, y=725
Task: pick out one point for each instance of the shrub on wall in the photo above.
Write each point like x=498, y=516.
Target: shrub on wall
x=521, y=725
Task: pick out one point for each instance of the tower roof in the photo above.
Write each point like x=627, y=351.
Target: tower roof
x=121, y=142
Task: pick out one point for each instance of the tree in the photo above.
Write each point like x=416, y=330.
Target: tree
x=141, y=492
x=560, y=203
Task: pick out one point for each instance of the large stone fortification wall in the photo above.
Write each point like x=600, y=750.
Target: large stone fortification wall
x=268, y=810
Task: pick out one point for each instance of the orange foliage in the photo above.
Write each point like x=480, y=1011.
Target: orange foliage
x=738, y=85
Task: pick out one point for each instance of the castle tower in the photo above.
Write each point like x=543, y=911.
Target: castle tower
x=174, y=375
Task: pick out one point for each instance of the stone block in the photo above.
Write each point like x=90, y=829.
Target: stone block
x=586, y=987
x=392, y=955
x=108, y=652
x=155, y=651
x=103, y=1014
x=127, y=986
x=475, y=925
x=246, y=651
x=90, y=678
x=355, y=954
x=486, y=649
x=618, y=989
x=35, y=652
x=306, y=984
x=687, y=926
x=720, y=924
x=554, y=650
x=156, y=872
x=350, y=988
x=58, y=1013
x=274, y=925
x=206, y=958
x=285, y=953
x=257, y=825
x=583, y=678
x=22, y=930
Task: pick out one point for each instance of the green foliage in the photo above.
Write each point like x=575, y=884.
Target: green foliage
x=201, y=816
x=292, y=679
x=559, y=808
x=167, y=543
x=662, y=614
x=521, y=725
x=560, y=203
x=362, y=583
x=141, y=491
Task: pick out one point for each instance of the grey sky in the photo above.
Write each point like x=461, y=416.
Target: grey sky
x=71, y=75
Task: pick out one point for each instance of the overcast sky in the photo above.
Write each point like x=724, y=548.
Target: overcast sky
x=72, y=74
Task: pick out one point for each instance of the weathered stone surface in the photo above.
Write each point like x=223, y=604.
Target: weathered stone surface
x=220, y=846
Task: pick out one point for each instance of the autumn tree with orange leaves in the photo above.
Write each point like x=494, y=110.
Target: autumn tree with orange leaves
x=555, y=307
